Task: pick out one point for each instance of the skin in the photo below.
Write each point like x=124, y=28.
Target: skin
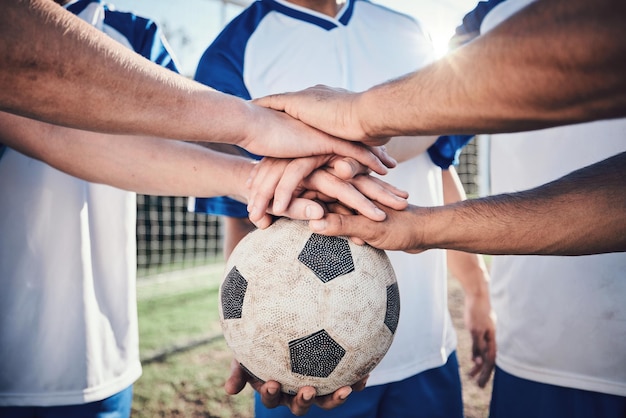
x=579, y=214
x=58, y=69
x=268, y=188
x=575, y=77
x=162, y=167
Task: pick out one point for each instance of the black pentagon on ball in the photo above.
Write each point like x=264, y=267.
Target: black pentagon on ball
x=315, y=355
x=327, y=257
x=233, y=294
x=392, y=315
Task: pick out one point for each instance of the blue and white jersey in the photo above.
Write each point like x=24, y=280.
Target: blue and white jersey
x=134, y=32
x=560, y=319
x=68, y=316
x=275, y=46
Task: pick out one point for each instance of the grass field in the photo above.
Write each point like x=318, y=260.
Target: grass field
x=186, y=361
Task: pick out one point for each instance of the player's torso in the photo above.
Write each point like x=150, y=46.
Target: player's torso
x=364, y=45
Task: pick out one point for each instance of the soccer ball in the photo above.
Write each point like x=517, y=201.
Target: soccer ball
x=306, y=309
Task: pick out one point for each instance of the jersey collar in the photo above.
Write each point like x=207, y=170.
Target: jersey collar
x=313, y=17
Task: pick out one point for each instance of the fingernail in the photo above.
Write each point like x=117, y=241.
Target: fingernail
x=272, y=390
x=317, y=225
x=307, y=396
x=345, y=394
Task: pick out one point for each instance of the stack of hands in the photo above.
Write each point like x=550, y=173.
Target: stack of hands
x=338, y=195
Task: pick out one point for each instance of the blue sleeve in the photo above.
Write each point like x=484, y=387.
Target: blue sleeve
x=446, y=150
x=221, y=67
x=144, y=36
x=470, y=26
x=222, y=64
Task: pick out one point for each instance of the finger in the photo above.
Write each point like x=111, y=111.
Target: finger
x=360, y=153
x=334, y=399
x=360, y=385
x=301, y=403
x=303, y=209
x=479, y=348
x=264, y=222
x=267, y=174
x=476, y=368
x=272, y=101
x=489, y=358
x=334, y=224
x=380, y=191
x=338, y=208
x=485, y=375
x=344, y=192
x=293, y=175
x=347, y=168
x=270, y=393
x=383, y=156
x=237, y=379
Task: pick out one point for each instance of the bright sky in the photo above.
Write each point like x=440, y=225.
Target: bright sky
x=191, y=25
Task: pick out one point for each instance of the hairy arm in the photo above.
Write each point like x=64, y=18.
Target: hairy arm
x=555, y=62
x=580, y=213
x=162, y=167
x=50, y=57
x=56, y=68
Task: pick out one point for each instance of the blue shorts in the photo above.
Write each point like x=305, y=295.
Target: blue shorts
x=116, y=406
x=514, y=397
x=434, y=393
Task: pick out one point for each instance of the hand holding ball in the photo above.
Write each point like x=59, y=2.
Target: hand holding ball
x=308, y=310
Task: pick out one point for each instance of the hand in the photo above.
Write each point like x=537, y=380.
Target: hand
x=332, y=110
x=401, y=229
x=298, y=404
x=276, y=134
x=283, y=183
x=479, y=322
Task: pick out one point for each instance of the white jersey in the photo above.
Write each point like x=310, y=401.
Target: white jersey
x=275, y=46
x=68, y=316
x=561, y=320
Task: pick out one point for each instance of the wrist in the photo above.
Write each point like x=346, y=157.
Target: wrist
x=366, y=114
x=235, y=184
x=478, y=288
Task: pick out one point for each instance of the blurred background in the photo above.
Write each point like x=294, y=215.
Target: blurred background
x=179, y=253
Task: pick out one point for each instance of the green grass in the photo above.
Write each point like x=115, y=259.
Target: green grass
x=174, y=310
x=177, y=318
x=185, y=360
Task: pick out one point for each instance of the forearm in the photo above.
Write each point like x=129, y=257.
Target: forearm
x=141, y=164
x=555, y=62
x=102, y=85
x=161, y=167
x=468, y=268
x=581, y=213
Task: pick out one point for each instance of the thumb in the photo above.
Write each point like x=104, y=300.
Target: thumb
x=334, y=224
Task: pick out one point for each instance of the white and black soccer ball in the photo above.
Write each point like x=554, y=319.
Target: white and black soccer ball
x=306, y=309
